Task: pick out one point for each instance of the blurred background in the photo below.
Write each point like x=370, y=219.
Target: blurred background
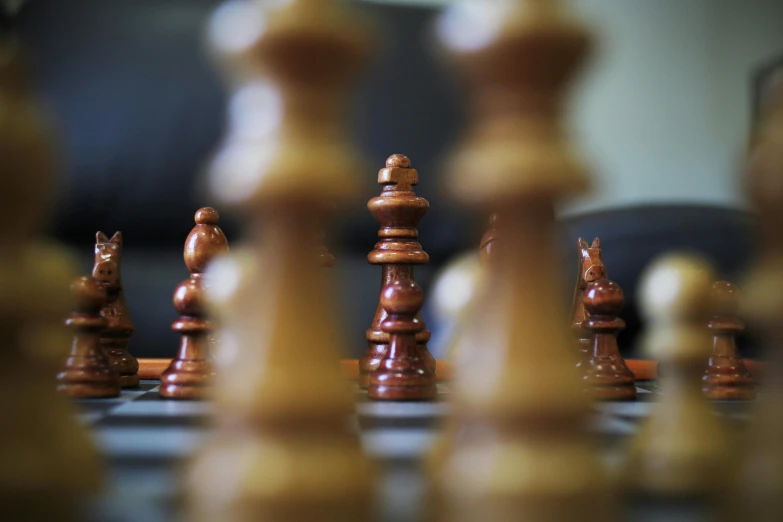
x=663, y=115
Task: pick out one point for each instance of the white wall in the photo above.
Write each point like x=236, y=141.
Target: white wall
x=663, y=113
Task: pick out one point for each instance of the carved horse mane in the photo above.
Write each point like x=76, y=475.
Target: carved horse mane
x=590, y=267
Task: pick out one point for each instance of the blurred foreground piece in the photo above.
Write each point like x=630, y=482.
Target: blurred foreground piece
x=759, y=482
x=606, y=377
x=398, y=210
x=48, y=464
x=119, y=327
x=282, y=449
x=726, y=377
x=190, y=374
x=517, y=443
x=681, y=451
x=88, y=373
x=403, y=373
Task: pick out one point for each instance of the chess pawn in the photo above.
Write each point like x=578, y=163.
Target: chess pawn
x=190, y=373
x=682, y=449
x=119, y=328
x=88, y=372
x=726, y=377
x=402, y=375
x=398, y=210
x=606, y=376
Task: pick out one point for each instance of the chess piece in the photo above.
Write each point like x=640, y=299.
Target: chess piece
x=398, y=210
x=50, y=466
x=119, y=328
x=402, y=374
x=190, y=373
x=88, y=372
x=518, y=404
x=590, y=267
x=759, y=478
x=281, y=449
x=606, y=376
x=726, y=377
x=487, y=245
x=682, y=448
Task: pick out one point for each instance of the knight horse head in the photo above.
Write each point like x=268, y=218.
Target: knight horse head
x=108, y=253
x=590, y=268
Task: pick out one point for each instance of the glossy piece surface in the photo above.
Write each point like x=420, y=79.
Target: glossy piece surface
x=87, y=372
x=726, y=377
x=403, y=374
x=189, y=375
x=606, y=376
x=119, y=327
x=590, y=267
x=398, y=210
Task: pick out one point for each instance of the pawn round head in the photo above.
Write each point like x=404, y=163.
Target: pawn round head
x=88, y=294
x=676, y=287
x=603, y=297
x=402, y=298
x=189, y=299
x=725, y=298
x=399, y=161
x=207, y=216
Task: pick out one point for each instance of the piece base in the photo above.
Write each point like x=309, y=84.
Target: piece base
x=89, y=390
x=184, y=392
x=129, y=381
x=402, y=393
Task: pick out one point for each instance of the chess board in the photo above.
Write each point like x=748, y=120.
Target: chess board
x=146, y=440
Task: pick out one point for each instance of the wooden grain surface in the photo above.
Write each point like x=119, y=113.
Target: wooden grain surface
x=643, y=370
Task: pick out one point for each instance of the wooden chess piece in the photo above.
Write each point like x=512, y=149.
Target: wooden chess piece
x=119, y=328
x=590, y=267
x=402, y=375
x=398, y=210
x=682, y=450
x=88, y=372
x=726, y=377
x=50, y=465
x=758, y=488
x=189, y=375
x=518, y=404
x=281, y=449
x=488, y=240
x=606, y=376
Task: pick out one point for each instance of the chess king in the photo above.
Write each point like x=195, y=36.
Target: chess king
x=114, y=340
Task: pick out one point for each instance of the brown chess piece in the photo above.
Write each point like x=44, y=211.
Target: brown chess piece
x=726, y=377
x=398, y=210
x=606, y=376
x=189, y=375
x=488, y=240
x=88, y=372
x=402, y=375
x=119, y=328
x=590, y=267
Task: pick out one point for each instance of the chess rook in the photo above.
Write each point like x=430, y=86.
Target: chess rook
x=281, y=449
x=403, y=373
x=88, y=372
x=119, y=328
x=398, y=210
x=726, y=377
x=682, y=449
x=190, y=373
x=518, y=403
